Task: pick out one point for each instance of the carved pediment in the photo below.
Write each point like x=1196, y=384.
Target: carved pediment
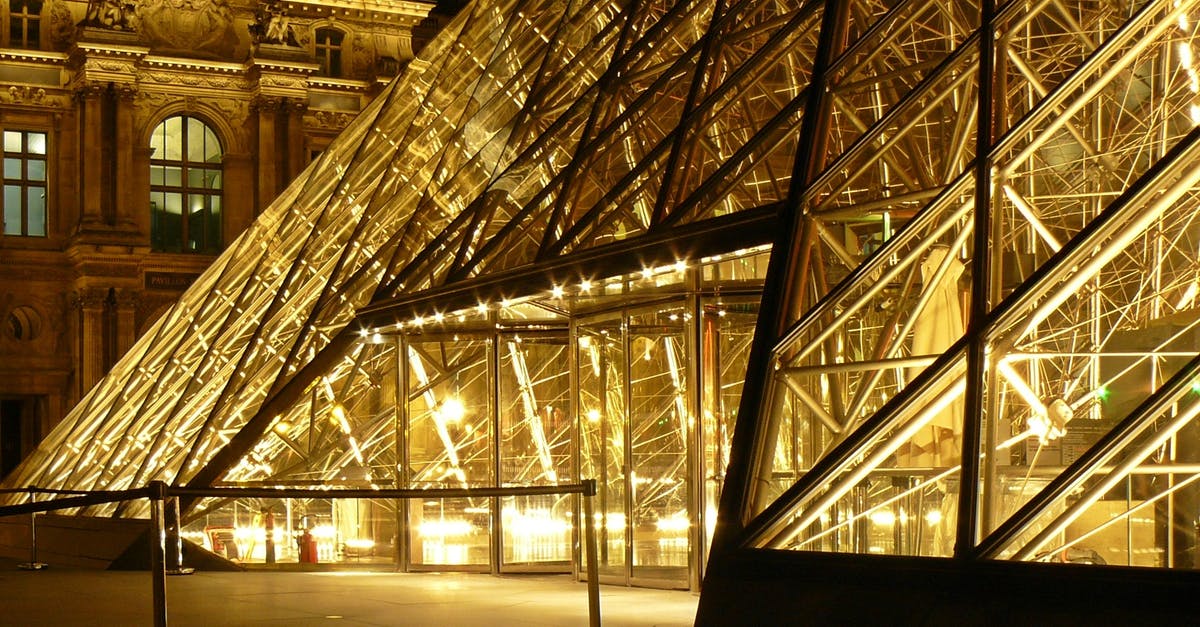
x=189, y=28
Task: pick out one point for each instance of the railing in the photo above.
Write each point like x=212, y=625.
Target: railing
x=158, y=493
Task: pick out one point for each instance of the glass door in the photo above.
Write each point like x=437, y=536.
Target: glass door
x=534, y=444
x=449, y=446
x=600, y=362
x=659, y=431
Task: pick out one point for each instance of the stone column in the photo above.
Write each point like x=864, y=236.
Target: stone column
x=91, y=190
x=127, y=302
x=91, y=337
x=267, y=108
x=123, y=174
x=297, y=148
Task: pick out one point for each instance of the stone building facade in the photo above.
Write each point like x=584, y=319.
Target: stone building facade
x=140, y=138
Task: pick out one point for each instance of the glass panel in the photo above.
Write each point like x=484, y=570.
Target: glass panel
x=535, y=444
x=896, y=491
x=197, y=219
x=1134, y=503
x=12, y=168
x=660, y=423
x=12, y=141
x=726, y=335
x=172, y=139
x=36, y=210
x=314, y=531
x=174, y=203
x=450, y=532
x=449, y=439
x=1101, y=332
x=212, y=147
x=36, y=143
x=213, y=231
x=158, y=140
x=37, y=169
x=195, y=140
x=173, y=176
x=870, y=336
x=601, y=363
x=13, y=221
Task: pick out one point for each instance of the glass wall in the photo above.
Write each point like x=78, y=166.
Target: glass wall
x=449, y=444
x=633, y=381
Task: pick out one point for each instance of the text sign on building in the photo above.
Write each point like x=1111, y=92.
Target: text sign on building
x=169, y=280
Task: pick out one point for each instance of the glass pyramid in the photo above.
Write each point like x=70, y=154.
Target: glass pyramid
x=984, y=269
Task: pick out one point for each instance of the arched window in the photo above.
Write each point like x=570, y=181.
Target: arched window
x=185, y=187
x=327, y=47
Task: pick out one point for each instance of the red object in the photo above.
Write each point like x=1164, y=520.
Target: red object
x=308, y=548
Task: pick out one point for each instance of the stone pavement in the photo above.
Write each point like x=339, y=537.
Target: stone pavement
x=330, y=599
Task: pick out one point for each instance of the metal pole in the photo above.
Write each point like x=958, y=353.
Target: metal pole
x=33, y=563
x=174, y=537
x=158, y=572
x=593, y=575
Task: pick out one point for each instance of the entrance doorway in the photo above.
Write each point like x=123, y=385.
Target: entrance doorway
x=19, y=432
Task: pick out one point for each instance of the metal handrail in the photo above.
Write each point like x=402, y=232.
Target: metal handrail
x=157, y=492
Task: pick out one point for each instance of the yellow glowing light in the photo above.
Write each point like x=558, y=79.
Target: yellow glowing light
x=933, y=516
x=360, y=543
x=323, y=532
x=339, y=417
x=557, y=292
x=482, y=308
x=452, y=410
x=883, y=518
x=676, y=523
x=444, y=528
x=585, y=286
x=593, y=415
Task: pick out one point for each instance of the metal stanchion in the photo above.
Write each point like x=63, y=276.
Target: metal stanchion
x=593, y=575
x=33, y=563
x=174, y=540
x=158, y=571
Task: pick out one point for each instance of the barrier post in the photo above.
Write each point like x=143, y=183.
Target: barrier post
x=593, y=575
x=33, y=563
x=175, y=540
x=158, y=571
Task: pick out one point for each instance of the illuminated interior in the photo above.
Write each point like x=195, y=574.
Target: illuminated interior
x=595, y=240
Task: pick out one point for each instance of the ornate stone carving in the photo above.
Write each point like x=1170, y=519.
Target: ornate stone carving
x=60, y=25
x=26, y=94
x=194, y=28
x=362, y=53
x=272, y=25
x=92, y=298
x=204, y=80
x=117, y=15
x=332, y=120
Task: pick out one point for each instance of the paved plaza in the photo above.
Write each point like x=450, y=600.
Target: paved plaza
x=79, y=597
